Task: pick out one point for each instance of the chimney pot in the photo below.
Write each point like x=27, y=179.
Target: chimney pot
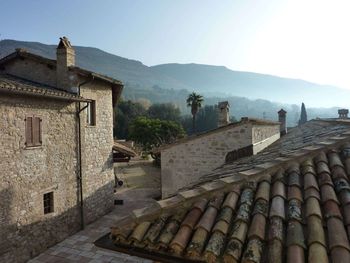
x=223, y=115
x=65, y=59
x=343, y=113
x=282, y=117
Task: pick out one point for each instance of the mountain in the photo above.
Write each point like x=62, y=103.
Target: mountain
x=171, y=82
x=129, y=71
x=212, y=80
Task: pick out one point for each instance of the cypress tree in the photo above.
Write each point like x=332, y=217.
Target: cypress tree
x=303, y=115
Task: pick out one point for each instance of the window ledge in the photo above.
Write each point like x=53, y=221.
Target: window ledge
x=33, y=147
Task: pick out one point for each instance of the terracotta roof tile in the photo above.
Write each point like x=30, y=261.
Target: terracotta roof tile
x=334, y=160
x=253, y=252
x=257, y=227
x=295, y=234
x=277, y=207
x=208, y=219
x=296, y=218
x=324, y=178
x=313, y=207
x=331, y=209
x=322, y=168
x=321, y=157
x=263, y=191
x=181, y=239
x=327, y=193
x=197, y=243
x=346, y=213
x=310, y=181
x=233, y=251
x=336, y=234
x=275, y=251
x=294, y=210
x=231, y=200
x=315, y=231
x=295, y=254
x=239, y=231
x=276, y=229
x=317, y=254
x=340, y=255
x=139, y=232
x=294, y=192
x=339, y=172
x=294, y=179
x=278, y=189
x=312, y=192
x=214, y=247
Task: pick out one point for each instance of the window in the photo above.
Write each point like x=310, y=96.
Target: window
x=33, y=131
x=48, y=203
x=91, y=113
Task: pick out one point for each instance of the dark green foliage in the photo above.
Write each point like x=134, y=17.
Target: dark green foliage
x=194, y=101
x=151, y=133
x=165, y=111
x=125, y=113
x=303, y=115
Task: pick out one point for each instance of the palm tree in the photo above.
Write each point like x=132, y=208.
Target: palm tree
x=194, y=101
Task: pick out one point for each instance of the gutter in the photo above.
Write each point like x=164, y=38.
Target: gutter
x=80, y=174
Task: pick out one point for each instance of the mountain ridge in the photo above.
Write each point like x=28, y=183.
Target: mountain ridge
x=209, y=80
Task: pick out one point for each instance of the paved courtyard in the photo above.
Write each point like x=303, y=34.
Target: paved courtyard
x=80, y=247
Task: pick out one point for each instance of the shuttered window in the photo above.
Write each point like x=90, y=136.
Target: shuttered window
x=33, y=131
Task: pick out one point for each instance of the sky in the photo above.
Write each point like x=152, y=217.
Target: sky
x=304, y=39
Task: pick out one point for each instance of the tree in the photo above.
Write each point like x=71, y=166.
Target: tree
x=151, y=133
x=194, y=101
x=303, y=115
x=165, y=111
x=125, y=113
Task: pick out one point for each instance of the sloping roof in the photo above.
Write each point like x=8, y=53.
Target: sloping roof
x=124, y=149
x=297, y=210
x=296, y=141
x=243, y=121
x=14, y=85
x=22, y=53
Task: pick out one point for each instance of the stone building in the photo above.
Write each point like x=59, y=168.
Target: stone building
x=185, y=161
x=56, y=150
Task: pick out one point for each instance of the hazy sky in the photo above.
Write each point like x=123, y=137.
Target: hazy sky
x=307, y=39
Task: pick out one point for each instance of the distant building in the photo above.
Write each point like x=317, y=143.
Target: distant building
x=185, y=161
x=56, y=150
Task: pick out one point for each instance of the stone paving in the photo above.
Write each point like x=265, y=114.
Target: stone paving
x=80, y=248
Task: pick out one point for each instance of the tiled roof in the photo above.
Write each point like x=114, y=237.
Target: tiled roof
x=25, y=54
x=14, y=85
x=297, y=210
x=124, y=149
x=298, y=139
x=243, y=121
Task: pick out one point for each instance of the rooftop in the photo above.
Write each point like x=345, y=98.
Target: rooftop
x=15, y=85
x=291, y=204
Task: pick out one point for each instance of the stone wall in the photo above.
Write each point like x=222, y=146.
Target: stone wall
x=183, y=163
x=264, y=135
x=28, y=173
x=97, y=152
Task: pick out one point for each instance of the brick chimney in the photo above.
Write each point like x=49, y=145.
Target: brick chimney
x=65, y=58
x=343, y=113
x=282, y=116
x=223, y=115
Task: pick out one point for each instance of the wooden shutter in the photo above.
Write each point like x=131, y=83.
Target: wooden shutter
x=36, y=131
x=29, y=131
x=93, y=113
